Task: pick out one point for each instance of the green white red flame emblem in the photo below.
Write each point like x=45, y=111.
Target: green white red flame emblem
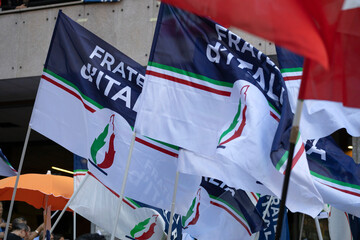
x=148, y=224
x=193, y=214
x=101, y=141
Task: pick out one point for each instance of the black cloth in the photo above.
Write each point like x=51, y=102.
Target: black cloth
x=12, y=236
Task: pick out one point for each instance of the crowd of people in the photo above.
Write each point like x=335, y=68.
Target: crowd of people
x=20, y=230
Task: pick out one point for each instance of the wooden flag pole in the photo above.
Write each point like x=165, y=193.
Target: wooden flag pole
x=121, y=197
x=173, y=205
x=293, y=136
x=17, y=181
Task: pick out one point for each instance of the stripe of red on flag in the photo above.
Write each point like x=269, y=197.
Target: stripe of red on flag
x=290, y=78
x=69, y=91
x=232, y=214
x=297, y=157
x=254, y=195
x=240, y=130
x=343, y=190
x=139, y=140
x=274, y=116
x=79, y=174
x=117, y=195
x=188, y=83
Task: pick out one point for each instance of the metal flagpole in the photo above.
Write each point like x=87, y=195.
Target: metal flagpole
x=293, y=136
x=69, y=202
x=301, y=224
x=17, y=181
x=54, y=214
x=173, y=205
x=121, y=197
x=74, y=233
x=318, y=230
x=74, y=215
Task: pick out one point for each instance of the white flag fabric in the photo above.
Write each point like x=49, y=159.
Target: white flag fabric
x=82, y=107
x=256, y=172
x=339, y=227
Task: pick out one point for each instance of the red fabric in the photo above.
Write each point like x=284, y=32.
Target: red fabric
x=341, y=34
x=284, y=22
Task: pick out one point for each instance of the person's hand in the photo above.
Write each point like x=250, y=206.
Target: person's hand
x=3, y=225
x=21, y=6
x=40, y=227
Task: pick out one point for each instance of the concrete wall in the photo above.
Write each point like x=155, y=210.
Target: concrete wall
x=128, y=25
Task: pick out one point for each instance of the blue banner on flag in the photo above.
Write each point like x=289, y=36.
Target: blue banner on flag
x=201, y=43
x=328, y=162
x=288, y=59
x=271, y=217
x=80, y=164
x=96, y=70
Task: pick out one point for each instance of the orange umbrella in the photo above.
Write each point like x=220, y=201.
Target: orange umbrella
x=35, y=188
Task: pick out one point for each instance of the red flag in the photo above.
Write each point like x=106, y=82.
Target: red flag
x=338, y=22
x=284, y=22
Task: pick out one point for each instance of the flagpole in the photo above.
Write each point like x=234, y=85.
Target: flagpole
x=173, y=205
x=293, y=136
x=69, y=202
x=74, y=215
x=121, y=197
x=302, y=225
x=318, y=229
x=74, y=226
x=45, y=213
x=17, y=181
